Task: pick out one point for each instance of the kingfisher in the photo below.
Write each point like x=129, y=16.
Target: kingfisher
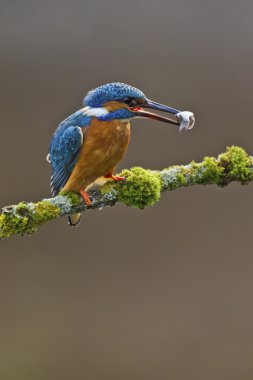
x=87, y=146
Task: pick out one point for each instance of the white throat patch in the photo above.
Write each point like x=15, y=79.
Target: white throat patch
x=96, y=112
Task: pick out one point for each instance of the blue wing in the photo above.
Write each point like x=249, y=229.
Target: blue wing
x=63, y=154
x=65, y=147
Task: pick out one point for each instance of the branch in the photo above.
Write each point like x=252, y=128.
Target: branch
x=142, y=188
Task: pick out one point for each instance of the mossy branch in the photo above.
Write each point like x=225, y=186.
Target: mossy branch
x=142, y=188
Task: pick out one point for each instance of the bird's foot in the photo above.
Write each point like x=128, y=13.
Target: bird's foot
x=116, y=178
x=85, y=197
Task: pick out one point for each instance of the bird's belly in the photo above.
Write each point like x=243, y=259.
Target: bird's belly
x=104, y=146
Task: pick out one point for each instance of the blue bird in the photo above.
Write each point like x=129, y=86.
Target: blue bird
x=88, y=145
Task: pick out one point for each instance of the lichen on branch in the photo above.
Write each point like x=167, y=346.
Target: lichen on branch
x=142, y=188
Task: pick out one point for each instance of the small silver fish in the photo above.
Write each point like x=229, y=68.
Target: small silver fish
x=186, y=119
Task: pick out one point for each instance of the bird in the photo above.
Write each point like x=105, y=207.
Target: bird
x=87, y=146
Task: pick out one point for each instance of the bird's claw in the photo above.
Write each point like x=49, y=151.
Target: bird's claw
x=119, y=179
x=116, y=178
x=85, y=197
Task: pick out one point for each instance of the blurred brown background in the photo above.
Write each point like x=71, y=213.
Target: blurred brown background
x=164, y=293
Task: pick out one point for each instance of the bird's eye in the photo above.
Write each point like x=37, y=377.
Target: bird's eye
x=131, y=102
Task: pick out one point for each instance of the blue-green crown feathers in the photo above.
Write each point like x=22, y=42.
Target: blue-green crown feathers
x=110, y=92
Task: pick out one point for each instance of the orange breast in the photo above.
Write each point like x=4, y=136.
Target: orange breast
x=104, y=145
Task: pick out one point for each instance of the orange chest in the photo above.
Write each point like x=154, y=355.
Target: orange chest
x=106, y=139
x=107, y=132
x=104, y=145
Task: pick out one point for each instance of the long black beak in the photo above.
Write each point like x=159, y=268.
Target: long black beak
x=139, y=112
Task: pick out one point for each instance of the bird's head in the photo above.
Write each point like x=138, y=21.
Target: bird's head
x=121, y=101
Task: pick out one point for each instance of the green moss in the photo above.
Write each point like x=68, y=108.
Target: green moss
x=15, y=220
x=213, y=171
x=44, y=211
x=142, y=188
x=23, y=209
x=10, y=226
x=194, y=170
x=181, y=178
x=73, y=198
x=108, y=187
x=26, y=217
x=237, y=165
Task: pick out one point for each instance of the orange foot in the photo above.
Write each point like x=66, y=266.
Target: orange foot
x=86, y=197
x=115, y=178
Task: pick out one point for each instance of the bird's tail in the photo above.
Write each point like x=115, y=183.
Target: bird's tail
x=74, y=220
